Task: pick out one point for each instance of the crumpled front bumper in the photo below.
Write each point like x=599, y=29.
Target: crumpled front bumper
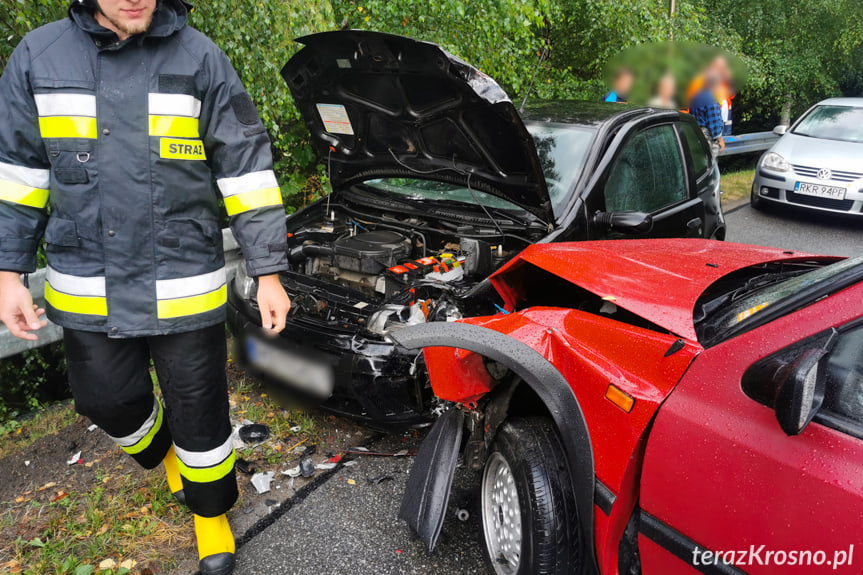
x=375, y=382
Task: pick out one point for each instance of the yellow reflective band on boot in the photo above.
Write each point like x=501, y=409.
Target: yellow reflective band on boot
x=68, y=127
x=208, y=474
x=252, y=200
x=23, y=195
x=174, y=126
x=180, y=307
x=76, y=304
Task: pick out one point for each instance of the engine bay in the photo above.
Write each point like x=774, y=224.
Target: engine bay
x=380, y=273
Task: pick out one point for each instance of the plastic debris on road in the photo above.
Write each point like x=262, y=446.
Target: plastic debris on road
x=261, y=481
x=307, y=466
x=325, y=466
x=350, y=463
x=377, y=480
x=244, y=467
x=292, y=472
x=75, y=459
x=93, y=427
x=254, y=433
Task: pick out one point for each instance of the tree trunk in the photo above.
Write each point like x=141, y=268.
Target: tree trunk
x=786, y=110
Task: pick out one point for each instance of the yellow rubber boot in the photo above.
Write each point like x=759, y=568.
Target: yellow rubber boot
x=172, y=470
x=215, y=545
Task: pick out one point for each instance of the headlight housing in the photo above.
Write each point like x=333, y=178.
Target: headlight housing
x=775, y=163
x=244, y=286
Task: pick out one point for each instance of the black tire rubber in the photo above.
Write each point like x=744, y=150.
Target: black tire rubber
x=551, y=539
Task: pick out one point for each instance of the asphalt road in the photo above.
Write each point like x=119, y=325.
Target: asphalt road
x=345, y=527
x=807, y=231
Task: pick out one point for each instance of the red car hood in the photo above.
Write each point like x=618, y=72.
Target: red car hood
x=659, y=280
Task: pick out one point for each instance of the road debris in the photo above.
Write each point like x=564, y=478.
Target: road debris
x=261, y=481
x=254, y=433
x=244, y=467
x=377, y=480
x=93, y=427
x=307, y=466
x=292, y=472
x=75, y=459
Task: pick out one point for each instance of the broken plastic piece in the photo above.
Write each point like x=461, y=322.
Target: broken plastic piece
x=350, y=463
x=307, y=467
x=292, y=472
x=401, y=453
x=295, y=428
x=254, y=433
x=380, y=479
x=74, y=459
x=325, y=466
x=261, y=481
x=92, y=427
x=334, y=458
x=244, y=467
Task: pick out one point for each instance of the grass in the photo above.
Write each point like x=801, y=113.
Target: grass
x=737, y=185
x=44, y=422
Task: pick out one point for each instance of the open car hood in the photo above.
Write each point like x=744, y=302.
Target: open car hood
x=659, y=280
x=380, y=105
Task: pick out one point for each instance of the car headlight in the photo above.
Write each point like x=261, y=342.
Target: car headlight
x=775, y=163
x=244, y=286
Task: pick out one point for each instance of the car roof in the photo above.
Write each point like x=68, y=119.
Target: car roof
x=852, y=102
x=581, y=112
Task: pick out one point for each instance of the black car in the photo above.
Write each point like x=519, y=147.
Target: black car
x=437, y=181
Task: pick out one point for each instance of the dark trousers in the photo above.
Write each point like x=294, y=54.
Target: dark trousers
x=111, y=384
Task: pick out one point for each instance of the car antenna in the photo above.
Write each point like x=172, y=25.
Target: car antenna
x=532, y=78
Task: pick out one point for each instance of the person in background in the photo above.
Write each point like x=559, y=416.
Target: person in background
x=666, y=89
x=620, y=87
x=708, y=113
x=724, y=91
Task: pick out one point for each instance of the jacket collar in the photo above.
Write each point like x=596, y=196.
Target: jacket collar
x=170, y=17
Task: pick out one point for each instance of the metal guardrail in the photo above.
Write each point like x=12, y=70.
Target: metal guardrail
x=748, y=143
x=11, y=345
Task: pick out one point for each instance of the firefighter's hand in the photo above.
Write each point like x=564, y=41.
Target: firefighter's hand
x=16, y=308
x=274, y=304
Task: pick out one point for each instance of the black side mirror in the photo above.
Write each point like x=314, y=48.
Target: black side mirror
x=627, y=222
x=801, y=385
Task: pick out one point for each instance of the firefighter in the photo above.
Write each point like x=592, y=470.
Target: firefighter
x=114, y=124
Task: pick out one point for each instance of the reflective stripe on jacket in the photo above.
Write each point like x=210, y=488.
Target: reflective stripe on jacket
x=128, y=144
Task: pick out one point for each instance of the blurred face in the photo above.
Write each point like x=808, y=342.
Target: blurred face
x=666, y=88
x=623, y=83
x=126, y=17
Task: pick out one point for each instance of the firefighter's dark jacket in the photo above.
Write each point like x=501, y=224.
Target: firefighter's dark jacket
x=126, y=145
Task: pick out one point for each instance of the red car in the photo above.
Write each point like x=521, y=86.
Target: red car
x=656, y=407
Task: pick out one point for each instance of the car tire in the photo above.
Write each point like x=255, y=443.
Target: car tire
x=526, y=479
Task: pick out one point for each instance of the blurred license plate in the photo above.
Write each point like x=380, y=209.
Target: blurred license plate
x=293, y=369
x=820, y=191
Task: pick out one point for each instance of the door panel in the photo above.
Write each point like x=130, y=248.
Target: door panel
x=650, y=175
x=719, y=470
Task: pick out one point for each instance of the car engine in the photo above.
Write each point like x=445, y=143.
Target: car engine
x=380, y=276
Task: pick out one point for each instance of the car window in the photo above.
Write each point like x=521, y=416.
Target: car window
x=648, y=175
x=844, y=365
x=843, y=123
x=697, y=149
x=562, y=152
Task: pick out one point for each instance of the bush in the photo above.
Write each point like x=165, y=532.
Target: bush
x=30, y=379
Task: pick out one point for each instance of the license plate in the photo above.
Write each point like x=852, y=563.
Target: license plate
x=820, y=191
x=291, y=368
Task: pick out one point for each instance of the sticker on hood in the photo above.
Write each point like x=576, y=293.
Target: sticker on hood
x=335, y=119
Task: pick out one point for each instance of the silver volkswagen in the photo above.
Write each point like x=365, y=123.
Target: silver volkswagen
x=818, y=162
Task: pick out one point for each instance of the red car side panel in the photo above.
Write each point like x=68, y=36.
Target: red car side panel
x=719, y=470
x=591, y=352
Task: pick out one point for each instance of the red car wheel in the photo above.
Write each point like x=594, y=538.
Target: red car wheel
x=529, y=518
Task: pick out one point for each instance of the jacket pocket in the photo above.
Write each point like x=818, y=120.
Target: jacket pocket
x=191, y=243
x=62, y=233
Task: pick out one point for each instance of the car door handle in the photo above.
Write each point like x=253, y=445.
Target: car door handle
x=694, y=226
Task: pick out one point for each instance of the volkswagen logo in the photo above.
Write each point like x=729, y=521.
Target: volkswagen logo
x=824, y=174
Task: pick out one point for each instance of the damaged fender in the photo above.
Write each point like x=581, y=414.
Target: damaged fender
x=545, y=380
